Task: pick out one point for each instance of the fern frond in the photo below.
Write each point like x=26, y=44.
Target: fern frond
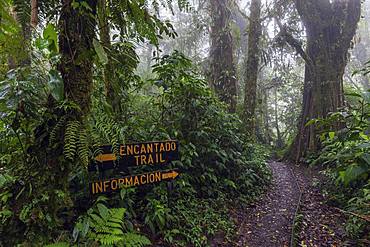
x=23, y=10
x=97, y=220
x=83, y=147
x=71, y=139
x=56, y=129
x=108, y=130
x=109, y=239
x=118, y=213
x=106, y=227
x=135, y=240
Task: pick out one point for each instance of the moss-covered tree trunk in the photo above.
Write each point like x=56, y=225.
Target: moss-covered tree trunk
x=75, y=44
x=48, y=167
x=330, y=27
x=251, y=72
x=22, y=13
x=222, y=70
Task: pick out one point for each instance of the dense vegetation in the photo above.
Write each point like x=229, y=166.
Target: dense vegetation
x=346, y=160
x=76, y=75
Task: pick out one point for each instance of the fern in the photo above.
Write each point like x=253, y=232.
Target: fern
x=134, y=240
x=56, y=129
x=83, y=147
x=105, y=226
x=23, y=10
x=71, y=139
x=108, y=130
x=75, y=141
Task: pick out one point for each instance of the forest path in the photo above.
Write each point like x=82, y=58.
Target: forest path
x=268, y=222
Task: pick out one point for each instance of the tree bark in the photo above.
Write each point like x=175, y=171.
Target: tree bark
x=266, y=117
x=222, y=69
x=75, y=42
x=77, y=31
x=251, y=72
x=279, y=140
x=22, y=12
x=34, y=13
x=330, y=27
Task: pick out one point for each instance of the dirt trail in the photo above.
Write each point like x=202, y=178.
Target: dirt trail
x=268, y=222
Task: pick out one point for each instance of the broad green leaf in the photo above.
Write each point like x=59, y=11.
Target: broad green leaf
x=310, y=122
x=363, y=135
x=352, y=173
x=103, y=211
x=364, y=145
x=331, y=135
x=322, y=137
x=50, y=34
x=86, y=5
x=354, y=94
x=102, y=55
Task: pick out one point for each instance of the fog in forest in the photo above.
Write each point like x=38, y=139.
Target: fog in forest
x=184, y=123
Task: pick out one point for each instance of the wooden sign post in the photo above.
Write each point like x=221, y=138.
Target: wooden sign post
x=134, y=155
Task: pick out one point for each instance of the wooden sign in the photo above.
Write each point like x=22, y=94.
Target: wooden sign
x=136, y=154
x=114, y=184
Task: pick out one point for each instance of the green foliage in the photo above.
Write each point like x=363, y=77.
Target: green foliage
x=215, y=163
x=138, y=22
x=45, y=144
x=346, y=158
x=76, y=141
x=50, y=34
x=106, y=226
x=357, y=227
x=347, y=150
x=10, y=38
x=198, y=220
x=103, y=58
x=157, y=215
x=213, y=155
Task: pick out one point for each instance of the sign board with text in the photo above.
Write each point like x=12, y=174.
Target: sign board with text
x=111, y=185
x=134, y=155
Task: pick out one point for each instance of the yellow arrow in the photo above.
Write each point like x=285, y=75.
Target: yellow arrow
x=105, y=157
x=170, y=175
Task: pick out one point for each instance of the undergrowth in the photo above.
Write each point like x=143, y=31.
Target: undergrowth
x=346, y=159
x=218, y=168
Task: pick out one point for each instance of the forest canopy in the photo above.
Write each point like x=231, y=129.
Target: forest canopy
x=184, y=123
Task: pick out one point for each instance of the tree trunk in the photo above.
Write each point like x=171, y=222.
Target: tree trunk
x=266, y=117
x=22, y=12
x=330, y=27
x=76, y=68
x=251, y=72
x=279, y=140
x=75, y=42
x=34, y=13
x=222, y=69
x=48, y=170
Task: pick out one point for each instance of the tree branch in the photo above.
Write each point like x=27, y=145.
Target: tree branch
x=293, y=42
